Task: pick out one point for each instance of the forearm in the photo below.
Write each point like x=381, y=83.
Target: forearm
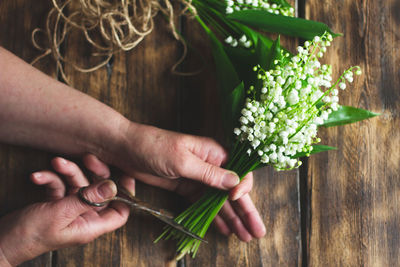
x=38, y=111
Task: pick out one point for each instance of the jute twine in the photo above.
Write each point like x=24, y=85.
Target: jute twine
x=109, y=26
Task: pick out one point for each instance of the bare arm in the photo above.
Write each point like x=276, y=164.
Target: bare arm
x=38, y=111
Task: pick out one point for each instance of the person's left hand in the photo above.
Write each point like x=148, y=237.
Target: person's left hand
x=186, y=164
x=64, y=220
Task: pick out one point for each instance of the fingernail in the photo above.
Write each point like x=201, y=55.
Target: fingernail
x=63, y=161
x=263, y=230
x=230, y=179
x=133, y=192
x=237, y=195
x=107, y=189
x=37, y=175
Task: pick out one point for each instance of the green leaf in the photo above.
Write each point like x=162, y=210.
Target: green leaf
x=250, y=33
x=346, y=115
x=316, y=149
x=253, y=35
x=228, y=81
x=274, y=54
x=263, y=53
x=236, y=102
x=243, y=61
x=291, y=26
x=226, y=73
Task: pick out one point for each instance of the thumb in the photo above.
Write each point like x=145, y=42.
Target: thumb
x=209, y=174
x=97, y=192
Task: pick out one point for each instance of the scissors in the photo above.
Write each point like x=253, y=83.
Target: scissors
x=124, y=196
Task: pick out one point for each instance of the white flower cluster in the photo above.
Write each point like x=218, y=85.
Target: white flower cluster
x=243, y=41
x=282, y=119
x=267, y=5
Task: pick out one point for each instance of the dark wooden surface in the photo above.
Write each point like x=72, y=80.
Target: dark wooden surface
x=340, y=209
x=354, y=193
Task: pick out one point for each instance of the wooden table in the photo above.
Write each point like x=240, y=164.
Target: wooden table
x=340, y=208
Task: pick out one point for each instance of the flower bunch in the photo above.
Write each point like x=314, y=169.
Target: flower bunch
x=267, y=5
x=288, y=97
x=278, y=123
x=281, y=120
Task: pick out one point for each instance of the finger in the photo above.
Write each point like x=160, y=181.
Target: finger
x=249, y=215
x=187, y=188
x=184, y=187
x=71, y=172
x=222, y=226
x=150, y=179
x=211, y=175
x=95, y=165
x=243, y=188
x=91, y=224
x=235, y=223
x=107, y=220
x=55, y=187
x=71, y=206
x=128, y=183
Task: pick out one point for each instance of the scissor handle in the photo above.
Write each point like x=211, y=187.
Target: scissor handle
x=90, y=203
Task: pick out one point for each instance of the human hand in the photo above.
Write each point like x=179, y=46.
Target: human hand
x=151, y=155
x=239, y=217
x=157, y=154
x=63, y=220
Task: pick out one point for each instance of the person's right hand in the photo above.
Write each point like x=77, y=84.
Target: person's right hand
x=63, y=220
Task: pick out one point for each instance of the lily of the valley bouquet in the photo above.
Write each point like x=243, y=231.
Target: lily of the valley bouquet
x=273, y=101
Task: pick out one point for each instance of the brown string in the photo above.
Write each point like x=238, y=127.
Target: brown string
x=109, y=26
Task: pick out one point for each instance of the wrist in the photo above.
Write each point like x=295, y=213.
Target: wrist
x=129, y=153
x=114, y=149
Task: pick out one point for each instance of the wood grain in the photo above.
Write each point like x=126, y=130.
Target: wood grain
x=275, y=194
x=354, y=192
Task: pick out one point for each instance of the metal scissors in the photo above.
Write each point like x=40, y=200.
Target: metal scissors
x=124, y=196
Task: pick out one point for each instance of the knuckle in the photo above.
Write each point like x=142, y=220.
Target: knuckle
x=235, y=221
x=178, y=143
x=73, y=169
x=180, y=167
x=181, y=163
x=92, y=195
x=208, y=176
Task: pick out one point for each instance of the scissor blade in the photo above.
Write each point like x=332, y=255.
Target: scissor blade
x=178, y=227
x=160, y=214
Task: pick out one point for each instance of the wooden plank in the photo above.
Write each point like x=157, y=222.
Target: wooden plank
x=139, y=85
x=275, y=194
x=152, y=97
x=354, y=192
x=18, y=19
